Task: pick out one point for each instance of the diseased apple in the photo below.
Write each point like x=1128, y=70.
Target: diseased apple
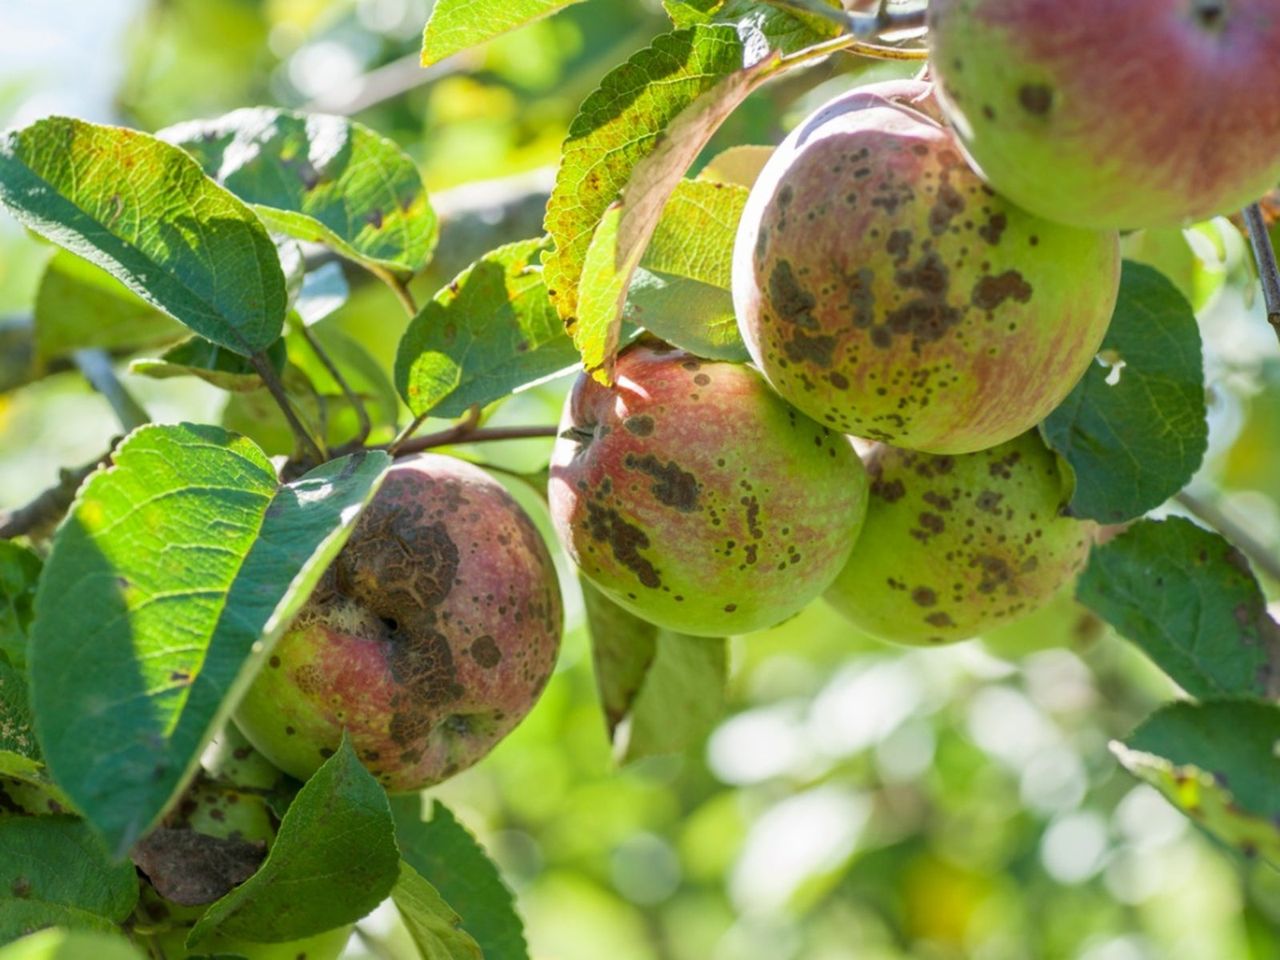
x=955, y=545
x=696, y=498
x=1145, y=113
x=888, y=293
x=428, y=639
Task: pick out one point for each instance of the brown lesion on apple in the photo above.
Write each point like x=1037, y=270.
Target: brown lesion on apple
x=604, y=525
x=991, y=291
x=485, y=651
x=672, y=486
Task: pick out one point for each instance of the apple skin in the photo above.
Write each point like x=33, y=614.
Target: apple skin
x=1145, y=113
x=954, y=546
x=888, y=293
x=428, y=639
x=697, y=499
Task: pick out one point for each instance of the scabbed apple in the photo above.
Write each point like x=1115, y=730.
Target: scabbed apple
x=887, y=292
x=428, y=639
x=955, y=545
x=1144, y=113
x=696, y=498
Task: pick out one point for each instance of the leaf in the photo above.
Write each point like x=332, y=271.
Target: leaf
x=433, y=924
x=1217, y=763
x=764, y=27
x=322, y=178
x=70, y=944
x=451, y=860
x=635, y=136
x=55, y=870
x=695, y=233
x=79, y=306
x=457, y=25
x=364, y=375
x=168, y=583
x=16, y=736
x=19, y=572
x=1188, y=599
x=661, y=691
x=1134, y=429
x=489, y=333
x=144, y=212
x=690, y=315
x=740, y=165
x=197, y=357
x=332, y=862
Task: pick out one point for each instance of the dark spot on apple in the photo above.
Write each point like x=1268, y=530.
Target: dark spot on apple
x=641, y=425
x=1036, y=98
x=672, y=486
x=989, y=292
x=604, y=525
x=485, y=652
x=924, y=597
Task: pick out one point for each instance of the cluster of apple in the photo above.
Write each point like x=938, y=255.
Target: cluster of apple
x=927, y=265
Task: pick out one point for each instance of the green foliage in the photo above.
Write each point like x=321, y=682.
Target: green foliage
x=56, y=870
x=636, y=135
x=132, y=678
x=661, y=691
x=1188, y=599
x=457, y=25
x=198, y=357
x=1216, y=762
x=487, y=334
x=1134, y=428
x=333, y=861
x=448, y=857
x=143, y=211
x=767, y=26
x=435, y=927
x=320, y=178
x=19, y=571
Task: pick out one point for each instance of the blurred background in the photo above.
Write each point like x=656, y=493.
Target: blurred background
x=856, y=801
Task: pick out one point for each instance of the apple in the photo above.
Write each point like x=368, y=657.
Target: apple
x=953, y=546
x=1146, y=113
x=694, y=497
x=428, y=639
x=887, y=292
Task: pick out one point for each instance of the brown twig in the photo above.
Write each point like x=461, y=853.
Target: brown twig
x=1258, y=554
x=468, y=433
x=309, y=444
x=44, y=511
x=1265, y=255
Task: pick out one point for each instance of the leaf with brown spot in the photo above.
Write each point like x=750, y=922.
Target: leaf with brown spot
x=1188, y=599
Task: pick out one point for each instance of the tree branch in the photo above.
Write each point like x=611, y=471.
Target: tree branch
x=1258, y=554
x=98, y=370
x=468, y=432
x=309, y=444
x=1265, y=255
x=41, y=514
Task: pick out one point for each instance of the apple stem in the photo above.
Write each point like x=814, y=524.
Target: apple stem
x=1265, y=254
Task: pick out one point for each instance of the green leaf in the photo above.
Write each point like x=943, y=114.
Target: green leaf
x=144, y=212
x=322, y=178
x=433, y=924
x=201, y=358
x=764, y=26
x=79, y=306
x=661, y=691
x=332, y=862
x=1217, y=763
x=1188, y=599
x=169, y=581
x=16, y=735
x=484, y=336
x=1134, y=428
x=457, y=25
x=634, y=137
x=55, y=870
x=691, y=315
x=19, y=573
x=70, y=945
x=448, y=858
x=740, y=165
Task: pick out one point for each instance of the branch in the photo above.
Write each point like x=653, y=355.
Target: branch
x=1265, y=254
x=44, y=512
x=468, y=432
x=271, y=381
x=98, y=370
x=1258, y=554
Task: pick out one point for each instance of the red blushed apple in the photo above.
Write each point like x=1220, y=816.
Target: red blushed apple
x=428, y=639
x=696, y=498
x=1098, y=113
